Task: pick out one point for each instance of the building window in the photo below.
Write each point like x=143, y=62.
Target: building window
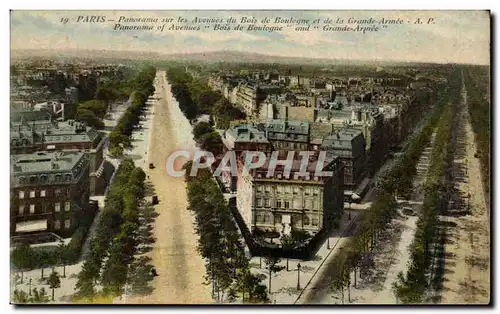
x=32, y=208
x=57, y=192
x=315, y=221
x=277, y=218
x=266, y=202
x=307, y=190
x=278, y=203
x=67, y=206
x=307, y=204
x=306, y=221
x=315, y=191
x=259, y=218
x=259, y=202
x=67, y=223
x=287, y=204
x=259, y=188
x=32, y=194
x=68, y=192
x=21, y=209
x=267, y=218
x=57, y=224
x=42, y=193
x=21, y=194
x=268, y=189
x=279, y=189
x=57, y=207
x=297, y=203
x=296, y=190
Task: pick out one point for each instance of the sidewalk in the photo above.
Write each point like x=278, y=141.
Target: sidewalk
x=284, y=284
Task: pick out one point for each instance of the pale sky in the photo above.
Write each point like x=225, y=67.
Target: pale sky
x=456, y=36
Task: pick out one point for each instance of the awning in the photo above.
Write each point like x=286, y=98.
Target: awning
x=32, y=225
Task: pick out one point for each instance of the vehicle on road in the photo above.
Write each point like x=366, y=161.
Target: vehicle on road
x=151, y=166
x=153, y=272
x=154, y=200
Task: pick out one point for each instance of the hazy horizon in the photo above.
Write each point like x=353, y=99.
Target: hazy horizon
x=457, y=37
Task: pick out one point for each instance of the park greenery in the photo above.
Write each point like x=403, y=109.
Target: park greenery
x=36, y=296
x=24, y=258
x=196, y=98
x=207, y=138
x=220, y=243
x=92, y=110
x=116, y=240
x=397, y=181
x=477, y=83
x=142, y=87
x=412, y=287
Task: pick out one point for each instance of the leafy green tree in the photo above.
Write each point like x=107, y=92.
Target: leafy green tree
x=20, y=297
x=39, y=296
x=23, y=258
x=106, y=94
x=212, y=142
x=54, y=282
x=273, y=267
x=200, y=129
x=89, y=118
x=97, y=107
x=288, y=242
x=63, y=255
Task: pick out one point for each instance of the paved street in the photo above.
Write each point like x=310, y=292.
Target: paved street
x=467, y=249
x=179, y=266
x=391, y=256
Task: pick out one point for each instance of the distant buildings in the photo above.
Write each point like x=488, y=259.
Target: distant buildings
x=287, y=135
x=35, y=131
x=49, y=192
x=349, y=146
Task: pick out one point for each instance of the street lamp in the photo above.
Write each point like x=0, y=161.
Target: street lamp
x=298, y=276
x=328, y=241
x=29, y=283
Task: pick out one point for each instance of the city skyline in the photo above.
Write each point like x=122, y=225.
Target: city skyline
x=450, y=40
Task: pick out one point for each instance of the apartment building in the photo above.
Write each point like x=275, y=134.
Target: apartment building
x=49, y=192
x=281, y=202
x=39, y=135
x=349, y=145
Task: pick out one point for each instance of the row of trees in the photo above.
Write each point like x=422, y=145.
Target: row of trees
x=412, y=287
x=357, y=252
x=112, y=88
x=142, y=87
x=207, y=138
x=477, y=83
x=195, y=97
x=24, y=258
x=92, y=112
x=38, y=296
x=220, y=242
x=114, y=242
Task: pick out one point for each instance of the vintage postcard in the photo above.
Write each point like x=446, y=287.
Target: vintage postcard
x=250, y=157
